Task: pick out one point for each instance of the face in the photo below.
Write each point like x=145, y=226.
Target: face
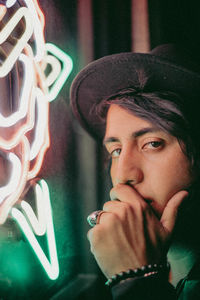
x=145, y=157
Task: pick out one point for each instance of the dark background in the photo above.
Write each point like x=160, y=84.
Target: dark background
x=73, y=164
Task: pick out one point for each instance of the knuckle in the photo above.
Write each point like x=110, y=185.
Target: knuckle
x=95, y=236
x=112, y=219
x=107, y=220
x=110, y=205
x=126, y=205
x=124, y=211
x=107, y=205
x=109, y=223
x=138, y=207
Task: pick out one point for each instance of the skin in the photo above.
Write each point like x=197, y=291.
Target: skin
x=149, y=173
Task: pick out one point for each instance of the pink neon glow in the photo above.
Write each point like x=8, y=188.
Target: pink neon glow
x=13, y=183
x=5, y=33
x=18, y=115
x=21, y=132
x=40, y=14
x=11, y=199
x=38, y=29
x=2, y=11
x=45, y=141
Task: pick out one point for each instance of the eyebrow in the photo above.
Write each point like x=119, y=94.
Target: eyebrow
x=135, y=134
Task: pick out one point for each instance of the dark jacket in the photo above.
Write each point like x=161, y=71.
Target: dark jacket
x=156, y=287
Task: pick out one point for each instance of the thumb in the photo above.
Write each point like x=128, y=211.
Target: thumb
x=169, y=215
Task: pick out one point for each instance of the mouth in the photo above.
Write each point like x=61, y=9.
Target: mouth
x=153, y=206
x=156, y=211
x=148, y=200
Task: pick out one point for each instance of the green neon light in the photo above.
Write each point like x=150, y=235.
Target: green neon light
x=51, y=267
x=38, y=222
x=66, y=69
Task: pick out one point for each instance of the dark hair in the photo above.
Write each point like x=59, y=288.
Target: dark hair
x=164, y=109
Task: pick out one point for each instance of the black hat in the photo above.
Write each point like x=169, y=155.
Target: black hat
x=166, y=68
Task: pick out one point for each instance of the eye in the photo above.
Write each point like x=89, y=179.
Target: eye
x=153, y=145
x=115, y=153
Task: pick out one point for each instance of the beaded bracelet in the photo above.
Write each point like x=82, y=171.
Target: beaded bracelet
x=144, y=271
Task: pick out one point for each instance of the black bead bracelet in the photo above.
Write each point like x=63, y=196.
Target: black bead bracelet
x=144, y=271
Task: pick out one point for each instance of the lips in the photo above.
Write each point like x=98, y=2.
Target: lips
x=153, y=205
x=148, y=200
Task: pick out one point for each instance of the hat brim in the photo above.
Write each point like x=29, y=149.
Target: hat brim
x=108, y=75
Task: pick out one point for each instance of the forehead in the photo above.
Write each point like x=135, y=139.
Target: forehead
x=119, y=120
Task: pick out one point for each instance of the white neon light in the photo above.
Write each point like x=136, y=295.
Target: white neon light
x=36, y=168
x=28, y=160
x=13, y=197
x=56, y=69
x=40, y=15
x=3, y=11
x=66, y=70
x=28, y=125
x=38, y=223
x=51, y=266
x=10, y=3
x=7, y=65
x=11, y=186
x=40, y=125
x=25, y=94
x=39, y=37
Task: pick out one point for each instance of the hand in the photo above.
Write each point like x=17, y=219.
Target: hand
x=129, y=234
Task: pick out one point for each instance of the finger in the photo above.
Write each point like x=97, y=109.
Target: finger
x=122, y=210
x=126, y=194
x=169, y=215
x=93, y=218
x=107, y=219
x=109, y=206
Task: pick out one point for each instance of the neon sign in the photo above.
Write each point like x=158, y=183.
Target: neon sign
x=22, y=12
x=63, y=75
x=41, y=225
x=24, y=130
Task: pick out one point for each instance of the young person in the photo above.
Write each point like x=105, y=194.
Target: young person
x=145, y=109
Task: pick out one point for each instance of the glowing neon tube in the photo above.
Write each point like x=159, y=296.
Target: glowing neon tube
x=11, y=186
x=38, y=32
x=41, y=124
x=66, y=70
x=10, y=3
x=38, y=223
x=13, y=197
x=42, y=140
x=50, y=266
x=40, y=15
x=25, y=94
x=22, y=12
x=3, y=11
x=56, y=69
x=15, y=139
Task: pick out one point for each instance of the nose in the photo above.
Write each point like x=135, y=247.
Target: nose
x=127, y=169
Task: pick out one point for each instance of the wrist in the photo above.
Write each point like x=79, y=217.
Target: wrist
x=144, y=271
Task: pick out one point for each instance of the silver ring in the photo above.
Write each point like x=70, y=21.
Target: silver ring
x=93, y=217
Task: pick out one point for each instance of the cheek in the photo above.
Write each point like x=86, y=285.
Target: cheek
x=113, y=173
x=179, y=173
x=172, y=178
